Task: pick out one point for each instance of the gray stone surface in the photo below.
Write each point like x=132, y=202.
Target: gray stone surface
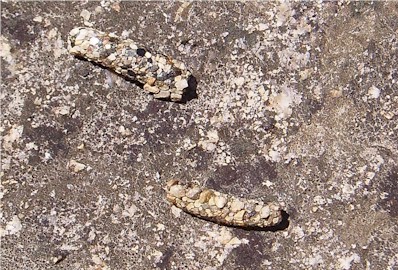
x=296, y=103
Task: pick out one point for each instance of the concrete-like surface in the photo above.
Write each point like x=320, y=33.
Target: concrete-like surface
x=297, y=102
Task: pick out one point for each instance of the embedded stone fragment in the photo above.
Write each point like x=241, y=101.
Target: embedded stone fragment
x=177, y=191
x=150, y=80
x=193, y=193
x=223, y=208
x=76, y=166
x=151, y=89
x=181, y=84
x=237, y=205
x=265, y=212
x=161, y=75
x=175, y=97
x=239, y=215
x=205, y=196
x=162, y=95
x=220, y=201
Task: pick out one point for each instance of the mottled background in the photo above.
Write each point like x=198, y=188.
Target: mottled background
x=297, y=102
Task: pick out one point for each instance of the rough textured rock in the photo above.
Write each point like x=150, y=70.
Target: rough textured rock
x=296, y=102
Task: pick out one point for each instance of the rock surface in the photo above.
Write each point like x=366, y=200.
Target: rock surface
x=296, y=102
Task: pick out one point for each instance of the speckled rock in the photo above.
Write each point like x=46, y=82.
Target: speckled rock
x=296, y=102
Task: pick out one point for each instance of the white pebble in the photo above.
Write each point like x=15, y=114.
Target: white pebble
x=112, y=57
x=148, y=55
x=237, y=205
x=85, y=14
x=74, y=31
x=177, y=191
x=182, y=84
x=220, y=201
x=82, y=34
x=374, y=92
x=265, y=212
x=76, y=166
x=94, y=41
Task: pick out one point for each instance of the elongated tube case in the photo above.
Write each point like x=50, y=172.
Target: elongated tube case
x=162, y=76
x=223, y=208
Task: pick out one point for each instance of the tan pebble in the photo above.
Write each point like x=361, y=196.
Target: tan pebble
x=171, y=198
x=237, y=205
x=126, y=62
x=275, y=207
x=239, y=215
x=78, y=42
x=205, y=196
x=225, y=236
x=256, y=218
x=172, y=182
x=211, y=201
x=276, y=220
x=76, y=166
x=175, y=97
x=142, y=70
x=190, y=206
x=85, y=44
x=167, y=68
x=195, y=211
x=74, y=50
x=265, y=212
x=179, y=64
x=228, y=218
x=240, y=223
x=197, y=204
x=234, y=242
x=225, y=211
x=162, y=94
x=215, y=211
x=220, y=201
x=258, y=207
x=150, y=80
x=163, y=87
x=177, y=191
x=205, y=206
x=95, y=55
